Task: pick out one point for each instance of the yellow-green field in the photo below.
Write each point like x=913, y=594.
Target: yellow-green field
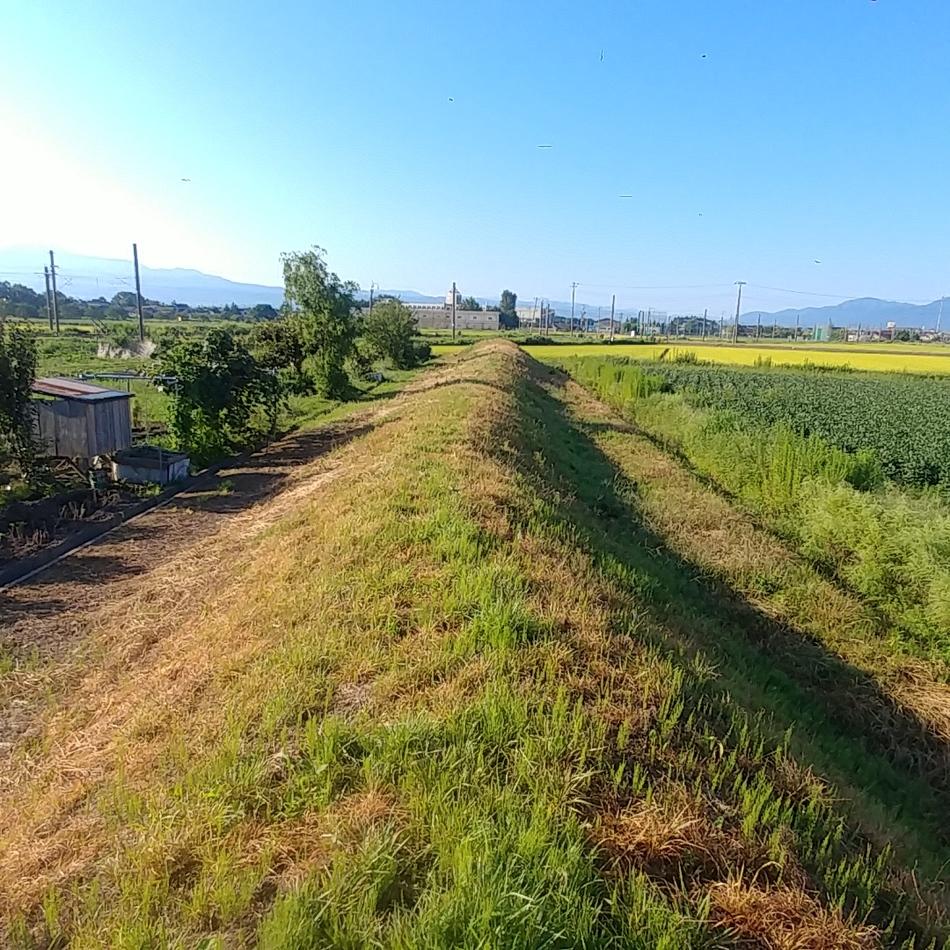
x=886, y=360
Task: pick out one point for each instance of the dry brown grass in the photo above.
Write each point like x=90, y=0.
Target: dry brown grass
x=653, y=834
x=781, y=918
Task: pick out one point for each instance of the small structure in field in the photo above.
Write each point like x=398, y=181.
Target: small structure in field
x=78, y=421
x=145, y=464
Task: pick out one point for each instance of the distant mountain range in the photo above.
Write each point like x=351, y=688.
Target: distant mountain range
x=867, y=311
x=90, y=277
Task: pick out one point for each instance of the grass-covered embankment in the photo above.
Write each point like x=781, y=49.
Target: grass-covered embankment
x=824, y=488
x=461, y=696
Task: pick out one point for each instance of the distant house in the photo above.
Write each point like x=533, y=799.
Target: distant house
x=79, y=421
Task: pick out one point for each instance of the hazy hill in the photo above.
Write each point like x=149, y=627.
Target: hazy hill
x=868, y=311
x=90, y=277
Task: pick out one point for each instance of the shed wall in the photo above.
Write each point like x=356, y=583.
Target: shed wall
x=76, y=429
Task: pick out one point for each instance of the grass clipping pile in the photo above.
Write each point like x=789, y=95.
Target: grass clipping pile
x=420, y=709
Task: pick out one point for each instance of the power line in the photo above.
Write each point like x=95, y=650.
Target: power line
x=654, y=286
x=810, y=293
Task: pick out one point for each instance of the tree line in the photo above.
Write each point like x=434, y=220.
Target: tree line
x=230, y=380
x=20, y=302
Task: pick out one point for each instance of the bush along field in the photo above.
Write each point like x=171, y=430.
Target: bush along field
x=463, y=696
x=854, y=469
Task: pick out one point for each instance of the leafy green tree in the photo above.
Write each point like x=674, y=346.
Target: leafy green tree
x=219, y=388
x=470, y=303
x=281, y=347
x=325, y=306
x=17, y=372
x=389, y=332
x=262, y=311
x=508, y=307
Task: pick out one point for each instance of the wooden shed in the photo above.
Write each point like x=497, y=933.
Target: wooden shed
x=76, y=420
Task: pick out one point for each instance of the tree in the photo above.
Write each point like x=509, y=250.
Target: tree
x=262, y=311
x=470, y=303
x=326, y=308
x=17, y=372
x=508, y=317
x=219, y=386
x=389, y=331
x=281, y=347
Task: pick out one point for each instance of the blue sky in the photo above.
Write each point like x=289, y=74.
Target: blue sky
x=756, y=136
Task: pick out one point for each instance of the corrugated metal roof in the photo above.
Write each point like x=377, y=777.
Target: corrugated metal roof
x=74, y=389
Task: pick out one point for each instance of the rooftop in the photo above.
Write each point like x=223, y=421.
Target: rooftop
x=74, y=389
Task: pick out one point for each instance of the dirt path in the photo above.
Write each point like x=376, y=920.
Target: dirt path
x=45, y=621
x=168, y=554
x=45, y=612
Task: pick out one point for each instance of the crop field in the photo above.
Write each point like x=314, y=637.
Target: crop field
x=498, y=670
x=883, y=359
x=903, y=420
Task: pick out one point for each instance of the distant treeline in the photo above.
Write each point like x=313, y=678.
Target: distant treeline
x=24, y=303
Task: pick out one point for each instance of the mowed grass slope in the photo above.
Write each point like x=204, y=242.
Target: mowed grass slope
x=465, y=695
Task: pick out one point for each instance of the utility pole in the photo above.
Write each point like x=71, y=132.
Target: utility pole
x=735, y=333
x=758, y=327
x=49, y=300
x=722, y=319
x=371, y=296
x=939, y=316
x=453, y=311
x=573, y=289
x=798, y=320
x=52, y=271
x=138, y=292
x=705, y=315
x=613, y=301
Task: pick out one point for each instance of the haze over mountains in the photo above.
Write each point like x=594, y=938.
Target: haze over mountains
x=867, y=311
x=91, y=277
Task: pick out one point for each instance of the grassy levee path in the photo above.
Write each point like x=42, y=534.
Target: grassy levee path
x=479, y=688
